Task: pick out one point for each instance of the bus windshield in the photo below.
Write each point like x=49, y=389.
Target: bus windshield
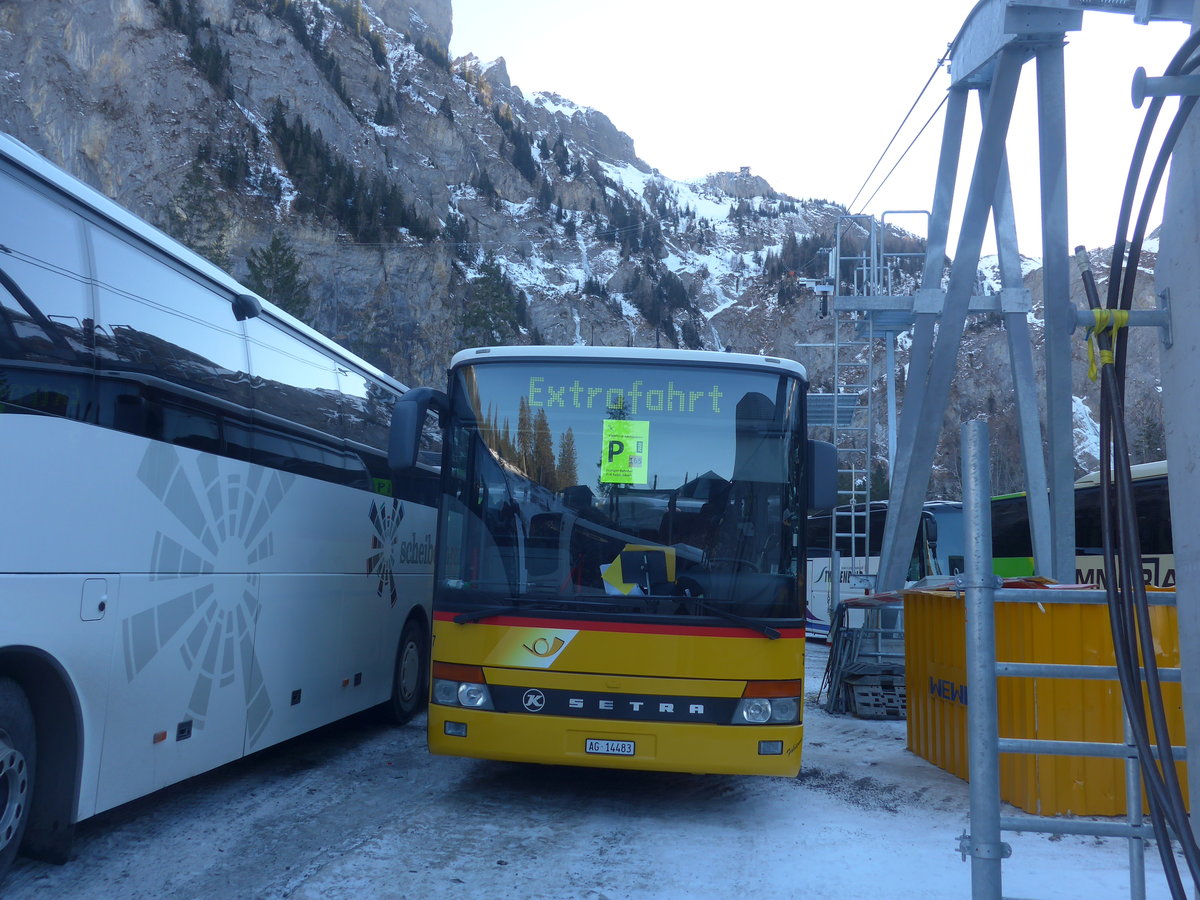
x=618, y=487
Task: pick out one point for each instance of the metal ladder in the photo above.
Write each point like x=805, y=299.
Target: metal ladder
x=853, y=377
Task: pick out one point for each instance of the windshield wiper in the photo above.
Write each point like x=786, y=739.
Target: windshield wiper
x=486, y=613
x=550, y=603
x=765, y=630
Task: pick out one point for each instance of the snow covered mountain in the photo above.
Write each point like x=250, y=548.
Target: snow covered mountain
x=329, y=154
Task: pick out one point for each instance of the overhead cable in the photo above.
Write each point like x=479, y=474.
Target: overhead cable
x=867, y=202
x=928, y=82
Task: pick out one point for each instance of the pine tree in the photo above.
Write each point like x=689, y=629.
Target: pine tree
x=568, y=467
x=494, y=310
x=544, y=470
x=275, y=276
x=524, y=436
x=195, y=217
x=561, y=157
x=522, y=156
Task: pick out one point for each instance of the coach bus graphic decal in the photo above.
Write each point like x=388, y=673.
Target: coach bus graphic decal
x=385, y=517
x=391, y=548
x=220, y=510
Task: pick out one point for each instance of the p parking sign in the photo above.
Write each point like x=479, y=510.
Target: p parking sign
x=624, y=452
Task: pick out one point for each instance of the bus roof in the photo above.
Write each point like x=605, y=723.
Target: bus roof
x=1141, y=470
x=41, y=168
x=628, y=354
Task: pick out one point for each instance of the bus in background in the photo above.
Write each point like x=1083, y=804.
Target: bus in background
x=845, y=541
x=204, y=550
x=620, y=557
x=1013, y=548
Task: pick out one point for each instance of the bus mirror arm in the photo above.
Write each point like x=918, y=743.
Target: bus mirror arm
x=822, y=475
x=408, y=419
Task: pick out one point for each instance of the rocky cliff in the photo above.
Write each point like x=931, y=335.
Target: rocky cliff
x=427, y=203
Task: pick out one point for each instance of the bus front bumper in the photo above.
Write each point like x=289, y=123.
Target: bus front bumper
x=656, y=746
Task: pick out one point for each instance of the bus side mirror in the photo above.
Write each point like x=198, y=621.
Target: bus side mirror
x=408, y=419
x=822, y=475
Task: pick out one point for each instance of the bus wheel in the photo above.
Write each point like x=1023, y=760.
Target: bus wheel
x=409, y=686
x=17, y=755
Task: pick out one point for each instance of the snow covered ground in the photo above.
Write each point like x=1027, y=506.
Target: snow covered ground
x=361, y=809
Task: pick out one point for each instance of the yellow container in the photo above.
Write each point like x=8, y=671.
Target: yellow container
x=1031, y=708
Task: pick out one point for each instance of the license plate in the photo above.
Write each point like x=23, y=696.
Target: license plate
x=609, y=748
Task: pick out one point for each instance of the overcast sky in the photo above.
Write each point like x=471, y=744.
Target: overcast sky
x=808, y=94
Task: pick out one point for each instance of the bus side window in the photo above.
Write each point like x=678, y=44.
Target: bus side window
x=365, y=410
x=156, y=321
x=1089, y=540
x=45, y=311
x=916, y=566
x=190, y=428
x=817, y=536
x=1154, y=517
x=1010, y=529
x=292, y=380
x=417, y=486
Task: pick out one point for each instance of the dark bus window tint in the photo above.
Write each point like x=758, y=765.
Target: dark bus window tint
x=366, y=410
x=35, y=390
x=292, y=380
x=1154, y=516
x=1089, y=537
x=123, y=406
x=190, y=428
x=1010, y=529
x=159, y=415
x=303, y=456
x=878, y=518
x=818, y=536
x=418, y=486
x=239, y=439
x=156, y=321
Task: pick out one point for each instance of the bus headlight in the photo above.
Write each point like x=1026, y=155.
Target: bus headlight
x=753, y=711
x=474, y=695
x=785, y=710
x=769, y=703
x=445, y=692
x=455, y=685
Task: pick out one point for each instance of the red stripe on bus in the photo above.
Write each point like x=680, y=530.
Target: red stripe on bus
x=627, y=627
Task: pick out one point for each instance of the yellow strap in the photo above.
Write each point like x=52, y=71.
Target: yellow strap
x=1106, y=319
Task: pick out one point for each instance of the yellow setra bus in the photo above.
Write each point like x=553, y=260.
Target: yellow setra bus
x=620, y=557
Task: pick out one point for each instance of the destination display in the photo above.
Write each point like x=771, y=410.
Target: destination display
x=638, y=398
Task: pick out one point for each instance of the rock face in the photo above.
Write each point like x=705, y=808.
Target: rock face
x=431, y=204
x=418, y=18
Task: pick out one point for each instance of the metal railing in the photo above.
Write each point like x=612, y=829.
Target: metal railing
x=984, y=744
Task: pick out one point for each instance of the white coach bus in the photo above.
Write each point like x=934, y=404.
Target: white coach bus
x=202, y=551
